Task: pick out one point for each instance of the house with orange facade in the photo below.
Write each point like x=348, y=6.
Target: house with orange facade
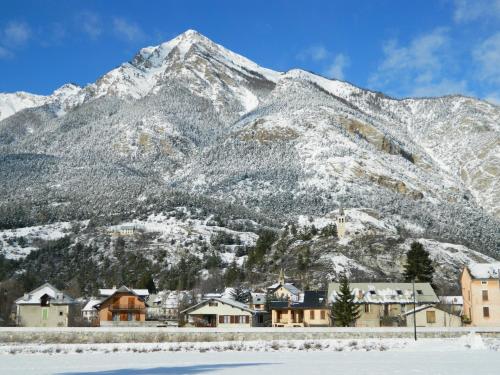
x=312, y=311
x=480, y=284
x=124, y=307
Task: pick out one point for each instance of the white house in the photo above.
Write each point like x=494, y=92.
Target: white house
x=219, y=312
x=89, y=312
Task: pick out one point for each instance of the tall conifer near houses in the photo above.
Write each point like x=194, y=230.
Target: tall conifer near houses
x=344, y=311
x=418, y=265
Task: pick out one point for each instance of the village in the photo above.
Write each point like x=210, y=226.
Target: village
x=281, y=305
x=409, y=302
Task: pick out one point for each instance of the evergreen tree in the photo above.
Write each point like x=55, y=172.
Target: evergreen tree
x=241, y=294
x=418, y=265
x=344, y=311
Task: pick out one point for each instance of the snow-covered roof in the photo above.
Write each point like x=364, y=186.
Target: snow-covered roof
x=89, y=306
x=226, y=301
x=484, y=270
x=55, y=295
x=288, y=286
x=418, y=308
x=108, y=292
x=451, y=300
x=387, y=293
x=258, y=298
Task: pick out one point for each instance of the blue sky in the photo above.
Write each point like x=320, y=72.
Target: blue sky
x=402, y=48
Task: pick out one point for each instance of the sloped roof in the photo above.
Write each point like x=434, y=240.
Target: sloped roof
x=122, y=289
x=387, y=293
x=258, y=298
x=288, y=286
x=56, y=296
x=313, y=299
x=425, y=307
x=89, y=306
x=108, y=292
x=451, y=300
x=484, y=270
x=226, y=301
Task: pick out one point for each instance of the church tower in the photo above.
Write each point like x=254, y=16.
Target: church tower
x=281, y=279
x=341, y=223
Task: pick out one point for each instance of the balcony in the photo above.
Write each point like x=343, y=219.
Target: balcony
x=127, y=308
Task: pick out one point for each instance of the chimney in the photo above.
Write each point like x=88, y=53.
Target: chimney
x=288, y=300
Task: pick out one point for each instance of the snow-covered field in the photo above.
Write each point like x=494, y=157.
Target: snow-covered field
x=465, y=355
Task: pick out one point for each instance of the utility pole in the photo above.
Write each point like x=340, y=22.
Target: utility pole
x=414, y=311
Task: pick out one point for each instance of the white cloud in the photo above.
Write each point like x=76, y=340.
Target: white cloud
x=90, y=24
x=473, y=10
x=418, y=68
x=443, y=87
x=16, y=34
x=127, y=30
x=315, y=53
x=336, y=69
x=487, y=55
x=5, y=53
x=333, y=65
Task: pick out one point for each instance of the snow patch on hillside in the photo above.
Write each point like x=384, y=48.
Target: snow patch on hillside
x=19, y=242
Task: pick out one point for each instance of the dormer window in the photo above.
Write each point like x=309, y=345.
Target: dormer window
x=45, y=300
x=419, y=291
x=399, y=292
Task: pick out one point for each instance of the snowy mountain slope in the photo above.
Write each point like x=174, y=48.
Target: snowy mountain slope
x=190, y=118
x=61, y=100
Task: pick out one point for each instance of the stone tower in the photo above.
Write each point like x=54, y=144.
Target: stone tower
x=281, y=279
x=341, y=223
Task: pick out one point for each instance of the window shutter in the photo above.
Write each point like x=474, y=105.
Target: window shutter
x=247, y=319
x=221, y=318
x=232, y=319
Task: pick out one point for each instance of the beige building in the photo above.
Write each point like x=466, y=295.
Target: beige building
x=383, y=304
x=219, y=312
x=46, y=306
x=284, y=290
x=312, y=311
x=481, y=294
x=432, y=316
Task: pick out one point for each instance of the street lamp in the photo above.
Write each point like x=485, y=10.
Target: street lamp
x=414, y=311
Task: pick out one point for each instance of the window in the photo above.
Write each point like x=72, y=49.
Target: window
x=226, y=319
x=484, y=282
x=261, y=318
x=399, y=292
x=372, y=292
x=323, y=315
x=129, y=317
x=311, y=314
x=419, y=291
x=213, y=304
x=431, y=316
x=486, y=312
x=61, y=313
x=367, y=308
x=485, y=295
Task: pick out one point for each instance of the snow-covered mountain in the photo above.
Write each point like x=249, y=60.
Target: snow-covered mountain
x=193, y=123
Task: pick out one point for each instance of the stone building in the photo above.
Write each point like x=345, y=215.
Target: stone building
x=46, y=306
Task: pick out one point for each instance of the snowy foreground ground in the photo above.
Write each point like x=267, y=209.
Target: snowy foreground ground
x=466, y=355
